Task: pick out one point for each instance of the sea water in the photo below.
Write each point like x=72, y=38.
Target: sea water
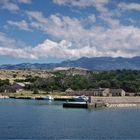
x=32, y=119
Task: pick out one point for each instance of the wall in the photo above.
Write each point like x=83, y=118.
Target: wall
x=116, y=100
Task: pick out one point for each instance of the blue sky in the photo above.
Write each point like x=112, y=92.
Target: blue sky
x=47, y=31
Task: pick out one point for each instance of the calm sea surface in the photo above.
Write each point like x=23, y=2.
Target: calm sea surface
x=31, y=119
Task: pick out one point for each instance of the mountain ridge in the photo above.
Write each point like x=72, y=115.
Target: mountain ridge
x=94, y=63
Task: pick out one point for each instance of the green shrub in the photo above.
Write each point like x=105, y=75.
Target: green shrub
x=35, y=91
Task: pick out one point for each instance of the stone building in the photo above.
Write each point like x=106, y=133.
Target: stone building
x=117, y=92
x=97, y=92
x=16, y=87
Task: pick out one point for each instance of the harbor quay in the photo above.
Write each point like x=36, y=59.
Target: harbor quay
x=92, y=102
x=113, y=101
x=96, y=102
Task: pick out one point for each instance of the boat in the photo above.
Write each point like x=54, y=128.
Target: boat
x=75, y=104
x=44, y=97
x=3, y=97
x=48, y=97
x=33, y=98
x=80, y=99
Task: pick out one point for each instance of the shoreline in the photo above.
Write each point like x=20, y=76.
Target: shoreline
x=96, y=102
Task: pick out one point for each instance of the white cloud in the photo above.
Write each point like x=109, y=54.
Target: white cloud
x=73, y=40
x=11, y=47
x=63, y=27
x=129, y=6
x=100, y=5
x=123, y=41
x=16, y=52
x=110, y=21
x=68, y=37
x=108, y=16
x=92, y=18
x=81, y=3
x=9, y=5
x=6, y=41
x=46, y=49
x=38, y=16
x=36, y=20
x=23, y=25
x=96, y=41
x=13, y=5
x=25, y=1
x=62, y=49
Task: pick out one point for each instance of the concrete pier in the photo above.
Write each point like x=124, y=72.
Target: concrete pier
x=113, y=101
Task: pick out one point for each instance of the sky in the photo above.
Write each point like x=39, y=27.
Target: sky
x=50, y=31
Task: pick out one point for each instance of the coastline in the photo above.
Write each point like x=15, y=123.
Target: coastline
x=95, y=102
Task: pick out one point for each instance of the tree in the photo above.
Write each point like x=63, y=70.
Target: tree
x=104, y=84
x=35, y=91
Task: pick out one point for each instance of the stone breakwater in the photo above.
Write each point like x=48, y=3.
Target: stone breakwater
x=122, y=105
x=114, y=101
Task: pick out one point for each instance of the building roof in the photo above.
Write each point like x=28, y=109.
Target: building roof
x=20, y=84
x=116, y=89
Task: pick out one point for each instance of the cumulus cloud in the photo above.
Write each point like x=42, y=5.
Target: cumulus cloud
x=25, y=1
x=23, y=25
x=37, y=15
x=92, y=18
x=12, y=5
x=81, y=3
x=9, y=5
x=101, y=6
x=48, y=48
x=6, y=41
x=69, y=37
x=62, y=49
x=36, y=19
x=129, y=6
x=17, y=52
x=11, y=47
x=123, y=41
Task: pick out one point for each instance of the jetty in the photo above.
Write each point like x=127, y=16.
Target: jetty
x=98, y=102
x=57, y=98
x=93, y=102
x=125, y=101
